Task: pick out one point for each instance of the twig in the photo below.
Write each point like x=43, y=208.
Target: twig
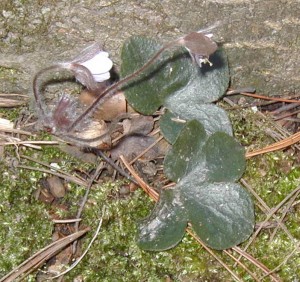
x=257, y=96
x=293, y=139
x=13, y=94
x=242, y=265
x=285, y=107
x=83, y=202
x=16, y=141
x=111, y=163
x=68, y=178
x=286, y=115
x=149, y=191
x=64, y=221
x=241, y=90
x=14, y=130
x=29, y=143
x=288, y=141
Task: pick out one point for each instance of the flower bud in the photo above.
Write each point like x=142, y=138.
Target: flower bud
x=96, y=61
x=99, y=66
x=200, y=46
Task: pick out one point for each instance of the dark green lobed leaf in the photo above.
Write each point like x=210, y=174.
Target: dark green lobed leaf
x=210, y=116
x=149, y=91
x=170, y=128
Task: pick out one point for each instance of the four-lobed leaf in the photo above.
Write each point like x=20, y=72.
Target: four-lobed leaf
x=205, y=167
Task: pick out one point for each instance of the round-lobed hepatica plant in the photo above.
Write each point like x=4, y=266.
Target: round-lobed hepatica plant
x=204, y=161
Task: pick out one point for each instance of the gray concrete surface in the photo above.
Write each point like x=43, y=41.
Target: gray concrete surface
x=262, y=38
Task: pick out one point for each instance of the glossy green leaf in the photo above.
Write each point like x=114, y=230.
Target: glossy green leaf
x=165, y=227
x=149, y=91
x=174, y=80
x=185, y=154
x=225, y=158
x=207, y=84
x=221, y=214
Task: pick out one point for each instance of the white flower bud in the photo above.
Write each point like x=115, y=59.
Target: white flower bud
x=99, y=66
x=95, y=61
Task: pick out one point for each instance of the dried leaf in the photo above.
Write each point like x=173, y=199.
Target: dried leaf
x=132, y=146
x=138, y=125
x=96, y=129
x=110, y=109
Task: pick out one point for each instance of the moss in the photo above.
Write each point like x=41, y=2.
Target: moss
x=9, y=74
x=11, y=114
x=25, y=226
x=273, y=176
x=28, y=227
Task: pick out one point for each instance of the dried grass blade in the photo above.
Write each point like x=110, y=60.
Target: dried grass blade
x=276, y=146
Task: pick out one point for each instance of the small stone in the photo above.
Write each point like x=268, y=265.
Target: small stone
x=56, y=186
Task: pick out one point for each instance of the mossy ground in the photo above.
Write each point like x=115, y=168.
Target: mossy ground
x=26, y=226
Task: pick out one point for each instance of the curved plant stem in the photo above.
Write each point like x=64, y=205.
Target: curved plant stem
x=36, y=87
x=122, y=82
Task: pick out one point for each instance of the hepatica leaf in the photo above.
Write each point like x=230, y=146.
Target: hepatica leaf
x=225, y=158
x=210, y=116
x=149, y=91
x=205, y=167
x=170, y=126
x=174, y=80
x=221, y=213
x=206, y=84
